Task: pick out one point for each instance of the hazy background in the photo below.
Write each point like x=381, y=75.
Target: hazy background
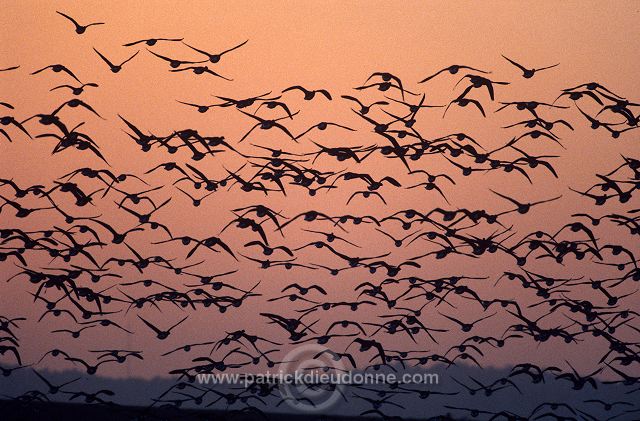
x=328, y=45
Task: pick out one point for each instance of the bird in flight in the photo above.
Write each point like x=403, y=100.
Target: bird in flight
x=80, y=29
x=215, y=57
x=115, y=68
x=529, y=73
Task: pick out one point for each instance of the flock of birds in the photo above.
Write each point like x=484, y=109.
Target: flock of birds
x=97, y=276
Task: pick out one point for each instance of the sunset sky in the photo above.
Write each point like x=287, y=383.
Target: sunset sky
x=322, y=45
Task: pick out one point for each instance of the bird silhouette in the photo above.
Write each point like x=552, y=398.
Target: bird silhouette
x=215, y=58
x=80, y=29
x=309, y=94
x=453, y=69
x=115, y=68
x=529, y=73
x=162, y=334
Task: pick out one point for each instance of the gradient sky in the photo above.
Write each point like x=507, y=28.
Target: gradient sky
x=328, y=45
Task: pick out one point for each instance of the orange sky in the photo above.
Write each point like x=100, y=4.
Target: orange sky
x=328, y=45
